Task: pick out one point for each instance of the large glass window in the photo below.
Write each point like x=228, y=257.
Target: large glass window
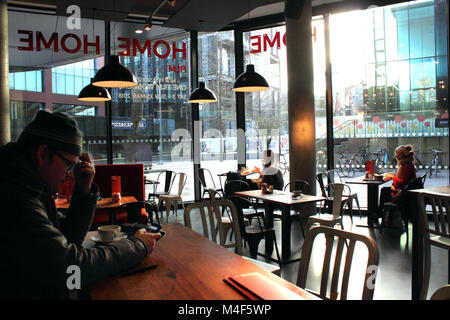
x=218, y=120
x=58, y=80
x=266, y=111
x=151, y=122
x=388, y=88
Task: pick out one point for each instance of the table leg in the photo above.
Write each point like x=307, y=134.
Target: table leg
x=417, y=254
x=286, y=233
x=268, y=215
x=372, y=206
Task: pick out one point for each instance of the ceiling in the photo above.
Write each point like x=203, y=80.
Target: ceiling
x=200, y=15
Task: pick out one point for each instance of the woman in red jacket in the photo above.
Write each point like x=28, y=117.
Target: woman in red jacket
x=405, y=173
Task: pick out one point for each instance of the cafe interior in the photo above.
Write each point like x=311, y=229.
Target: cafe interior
x=186, y=106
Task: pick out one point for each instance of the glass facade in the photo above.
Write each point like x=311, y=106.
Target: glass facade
x=389, y=81
x=266, y=111
x=151, y=122
x=218, y=143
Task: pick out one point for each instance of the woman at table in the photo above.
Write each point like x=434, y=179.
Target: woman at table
x=405, y=173
x=270, y=174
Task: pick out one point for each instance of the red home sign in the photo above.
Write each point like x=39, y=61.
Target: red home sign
x=261, y=44
x=71, y=43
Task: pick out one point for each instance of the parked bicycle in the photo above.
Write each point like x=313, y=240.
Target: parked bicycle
x=381, y=158
x=359, y=159
x=434, y=162
x=347, y=166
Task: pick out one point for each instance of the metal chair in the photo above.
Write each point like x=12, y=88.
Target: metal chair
x=295, y=185
x=342, y=237
x=335, y=217
x=171, y=200
x=348, y=196
x=249, y=212
x=210, y=212
x=254, y=234
x=442, y=293
x=435, y=234
x=202, y=179
x=403, y=202
x=168, y=179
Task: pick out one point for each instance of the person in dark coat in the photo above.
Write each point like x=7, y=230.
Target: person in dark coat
x=270, y=173
x=40, y=246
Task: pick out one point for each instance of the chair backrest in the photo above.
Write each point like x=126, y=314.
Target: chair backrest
x=320, y=179
x=213, y=194
x=242, y=203
x=416, y=183
x=336, y=190
x=202, y=177
x=301, y=185
x=182, y=178
x=231, y=186
x=342, y=238
x=210, y=213
x=442, y=293
x=440, y=226
x=134, y=211
x=169, y=176
x=333, y=176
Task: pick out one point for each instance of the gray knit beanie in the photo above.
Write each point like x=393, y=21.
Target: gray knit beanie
x=57, y=130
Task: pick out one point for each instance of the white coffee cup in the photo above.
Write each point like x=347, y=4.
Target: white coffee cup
x=108, y=232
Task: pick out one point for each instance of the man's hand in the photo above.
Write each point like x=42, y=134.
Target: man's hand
x=149, y=239
x=84, y=173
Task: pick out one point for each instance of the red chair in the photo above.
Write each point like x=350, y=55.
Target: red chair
x=132, y=181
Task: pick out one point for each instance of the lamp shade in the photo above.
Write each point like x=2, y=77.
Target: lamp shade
x=250, y=81
x=114, y=75
x=202, y=95
x=94, y=93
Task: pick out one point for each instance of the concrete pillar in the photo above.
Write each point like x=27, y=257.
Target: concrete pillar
x=302, y=155
x=5, y=131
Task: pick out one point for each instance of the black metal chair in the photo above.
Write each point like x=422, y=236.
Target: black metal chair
x=202, y=179
x=403, y=202
x=254, y=234
x=297, y=185
x=134, y=211
x=168, y=179
x=249, y=211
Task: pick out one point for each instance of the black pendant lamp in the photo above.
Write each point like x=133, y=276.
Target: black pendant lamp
x=202, y=95
x=250, y=81
x=114, y=75
x=94, y=93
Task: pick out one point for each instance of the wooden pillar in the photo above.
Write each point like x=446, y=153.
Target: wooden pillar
x=5, y=131
x=302, y=155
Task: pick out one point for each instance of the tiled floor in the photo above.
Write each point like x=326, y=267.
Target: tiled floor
x=394, y=272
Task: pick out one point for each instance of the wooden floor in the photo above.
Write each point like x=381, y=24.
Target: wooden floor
x=394, y=273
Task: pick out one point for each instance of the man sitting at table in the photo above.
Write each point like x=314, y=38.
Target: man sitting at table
x=270, y=174
x=40, y=246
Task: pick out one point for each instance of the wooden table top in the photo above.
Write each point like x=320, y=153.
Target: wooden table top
x=104, y=203
x=280, y=197
x=190, y=267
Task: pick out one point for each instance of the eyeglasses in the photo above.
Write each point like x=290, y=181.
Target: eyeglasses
x=70, y=164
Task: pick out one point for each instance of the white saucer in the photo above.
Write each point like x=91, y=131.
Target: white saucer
x=96, y=238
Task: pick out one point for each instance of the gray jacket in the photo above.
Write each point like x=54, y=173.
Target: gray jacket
x=38, y=243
